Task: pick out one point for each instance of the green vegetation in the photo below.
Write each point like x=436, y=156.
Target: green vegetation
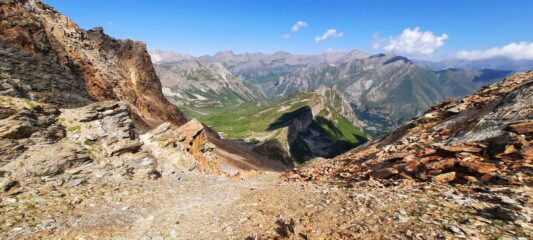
x=30, y=104
x=75, y=128
x=246, y=120
x=88, y=142
x=342, y=130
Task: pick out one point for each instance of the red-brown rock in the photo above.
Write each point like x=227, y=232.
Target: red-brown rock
x=521, y=128
x=479, y=167
x=384, y=173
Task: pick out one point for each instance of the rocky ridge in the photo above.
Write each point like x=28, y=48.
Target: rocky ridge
x=38, y=139
x=81, y=63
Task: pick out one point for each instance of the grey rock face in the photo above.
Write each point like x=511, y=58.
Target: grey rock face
x=76, y=145
x=190, y=82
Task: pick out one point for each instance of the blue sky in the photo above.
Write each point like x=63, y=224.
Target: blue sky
x=205, y=27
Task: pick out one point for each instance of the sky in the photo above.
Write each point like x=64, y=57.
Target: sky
x=422, y=29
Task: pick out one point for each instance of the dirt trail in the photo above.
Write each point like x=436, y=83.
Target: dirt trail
x=196, y=206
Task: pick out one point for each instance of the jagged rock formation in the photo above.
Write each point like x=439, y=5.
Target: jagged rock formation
x=47, y=58
x=483, y=138
x=79, y=65
x=195, y=151
x=38, y=139
x=98, y=141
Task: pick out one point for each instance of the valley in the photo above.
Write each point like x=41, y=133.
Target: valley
x=242, y=96
x=296, y=128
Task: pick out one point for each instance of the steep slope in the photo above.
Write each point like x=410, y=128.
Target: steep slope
x=295, y=128
x=458, y=83
x=94, y=66
x=483, y=138
x=191, y=84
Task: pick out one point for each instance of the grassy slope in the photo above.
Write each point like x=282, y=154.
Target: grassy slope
x=248, y=121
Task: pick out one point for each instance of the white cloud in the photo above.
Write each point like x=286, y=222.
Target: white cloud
x=295, y=28
x=299, y=25
x=414, y=42
x=516, y=51
x=329, y=33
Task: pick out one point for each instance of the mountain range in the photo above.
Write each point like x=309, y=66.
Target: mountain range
x=490, y=63
x=383, y=90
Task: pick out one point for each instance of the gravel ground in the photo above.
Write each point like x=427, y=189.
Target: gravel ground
x=260, y=206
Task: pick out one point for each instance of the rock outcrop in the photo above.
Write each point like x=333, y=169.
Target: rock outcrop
x=78, y=66
x=38, y=139
x=484, y=138
x=194, y=149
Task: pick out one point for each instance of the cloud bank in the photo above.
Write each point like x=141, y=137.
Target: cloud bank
x=515, y=51
x=329, y=34
x=412, y=42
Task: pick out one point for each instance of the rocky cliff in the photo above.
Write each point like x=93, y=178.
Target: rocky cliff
x=78, y=66
x=307, y=125
x=483, y=138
